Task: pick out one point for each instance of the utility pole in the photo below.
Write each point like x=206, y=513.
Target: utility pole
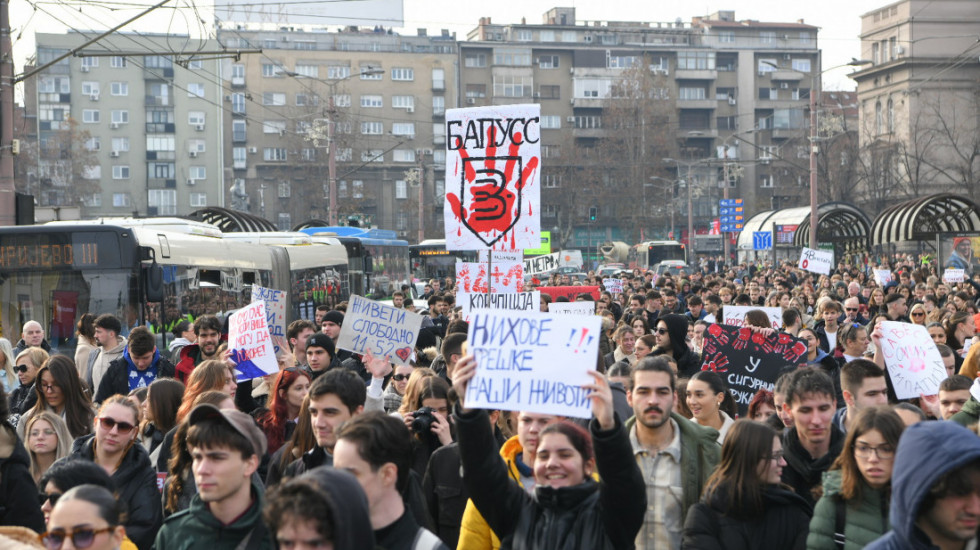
x=813, y=161
x=421, y=169
x=8, y=198
x=331, y=163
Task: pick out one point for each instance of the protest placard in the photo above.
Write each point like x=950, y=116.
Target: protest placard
x=613, y=286
x=570, y=292
x=883, y=276
x=515, y=301
x=749, y=361
x=250, y=342
x=953, y=275
x=505, y=277
x=533, y=362
x=385, y=330
x=572, y=308
x=501, y=256
x=735, y=315
x=914, y=364
x=816, y=261
x=275, y=311
x=492, y=174
x=542, y=264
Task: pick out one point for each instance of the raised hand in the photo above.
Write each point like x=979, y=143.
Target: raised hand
x=464, y=372
x=379, y=367
x=602, y=401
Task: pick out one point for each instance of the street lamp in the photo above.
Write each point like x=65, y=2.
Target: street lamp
x=670, y=204
x=690, y=204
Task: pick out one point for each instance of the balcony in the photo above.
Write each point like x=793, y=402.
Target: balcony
x=588, y=102
x=238, y=82
x=157, y=101
x=697, y=133
x=239, y=164
x=695, y=74
x=697, y=103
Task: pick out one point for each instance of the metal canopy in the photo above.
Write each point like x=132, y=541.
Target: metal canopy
x=232, y=221
x=837, y=222
x=921, y=219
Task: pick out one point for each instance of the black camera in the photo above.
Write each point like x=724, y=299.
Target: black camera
x=422, y=420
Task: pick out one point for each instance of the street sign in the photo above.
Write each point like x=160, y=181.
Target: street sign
x=732, y=219
x=729, y=202
x=729, y=211
x=731, y=227
x=761, y=240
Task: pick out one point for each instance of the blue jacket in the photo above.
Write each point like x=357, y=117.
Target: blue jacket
x=926, y=451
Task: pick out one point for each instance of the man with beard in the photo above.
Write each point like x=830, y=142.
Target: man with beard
x=675, y=454
x=208, y=331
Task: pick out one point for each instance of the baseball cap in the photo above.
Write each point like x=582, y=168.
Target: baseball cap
x=321, y=340
x=234, y=419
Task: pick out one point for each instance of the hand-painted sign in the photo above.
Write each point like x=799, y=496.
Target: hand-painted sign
x=504, y=277
x=275, y=310
x=572, y=308
x=384, y=330
x=614, y=286
x=492, y=178
x=250, y=342
x=735, y=315
x=816, y=261
x=520, y=301
x=883, y=276
x=953, y=275
x=914, y=364
x=542, y=264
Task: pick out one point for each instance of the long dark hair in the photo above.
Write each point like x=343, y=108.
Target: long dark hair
x=888, y=424
x=180, y=457
x=78, y=405
x=736, y=484
x=717, y=386
x=165, y=395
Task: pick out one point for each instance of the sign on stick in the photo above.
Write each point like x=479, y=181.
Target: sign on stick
x=250, y=342
x=385, y=330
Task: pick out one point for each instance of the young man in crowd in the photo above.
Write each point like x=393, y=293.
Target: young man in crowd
x=812, y=444
x=827, y=334
x=111, y=347
x=141, y=363
x=297, y=333
x=863, y=385
x=954, y=392
x=208, y=331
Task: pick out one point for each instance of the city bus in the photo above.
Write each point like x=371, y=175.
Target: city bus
x=431, y=260
x=647, y=254
x=378, y=263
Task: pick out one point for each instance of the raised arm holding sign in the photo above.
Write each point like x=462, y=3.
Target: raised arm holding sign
x=914, y=364
x=384, y=330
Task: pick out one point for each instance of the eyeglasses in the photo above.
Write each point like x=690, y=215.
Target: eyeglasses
x=49, y=388
x=81, y=537
x=21, y=368
x=44, y=497
x=109, y=423
x=660, y=331
x=776, y=456
x=884, y=452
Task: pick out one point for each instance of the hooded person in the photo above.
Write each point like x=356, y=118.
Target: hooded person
x=935, y=462
x=673, y=342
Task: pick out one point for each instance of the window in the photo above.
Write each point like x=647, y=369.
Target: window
x=875, y=53
x=768, y=152
x=438, y=79
x=401, y=221
x=239, y=160
x=274, y=98
x=568, y=36
x=805, y=38
x=162, y=170
x=164, y=200
x=589, y=88
x=801, y=65
x=766, y=181
x=307, y=154
x=403, y=155
x=476, y=90
x=272, y=70
x=284, y=221
x=551, y=181
x=550, y=122
x=195, y=64
x=195, y=89
x=198, y=200
x=549, y=211
x=439, y=134
x=336, y=72
x=305, y=45
x=402, y=73
x=238, y=103
x=549, y=91
x=311, y=71
x=238, y=130
x=357, y=189
x=303, y=126
x=401, y=189
x=120, y=116
x=372, y=128
x=891, y=116
x=90, y=116
x=801, y=93
x=767, y=65
x=195, y=117
x=92, y=172
x=95, y=199
x=117, y=62
x=475, y=60
x=403, y=128
x=120, y=200
x=371, y=72
x=90, y=62
x=90, y=88
x=726, y=37
x=692, y=93
x=403, y=102
x=621, y=61
x=696, y=61
x=160, y=142
x=551, y=151
x=768, y=93
x=512, y=85
x=120, y=144
x=767, y=37
x=372, y=101
x=118, y=88
x=879, y=123
x=197, y=172
x=546, y=36
x=524, y=35
x=438, y=105
x=120, y=172
x=588, y=122
x=274, y=127
x=196, y=145
x=548, y=62
x=339, y=100
x=373, y=155
x=274, y=154
x=515, y=57
x=93, y=144
x=284, y=190
x=439, y=157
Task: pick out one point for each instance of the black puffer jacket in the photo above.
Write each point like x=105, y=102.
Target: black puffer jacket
x=18, y=494
x=605, y=515
x=22, y=399
x=784, y=524
x=136, y=480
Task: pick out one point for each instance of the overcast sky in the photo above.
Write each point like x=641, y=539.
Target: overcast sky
x=839, y=20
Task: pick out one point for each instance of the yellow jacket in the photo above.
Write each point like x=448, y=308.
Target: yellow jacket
x=474, y=533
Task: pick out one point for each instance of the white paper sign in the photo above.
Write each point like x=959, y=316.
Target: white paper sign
x=275, y=311
x=250, y=342
x=883, y=276
x=542, y=264
x=493, y=195
x=586, y=307
x=505, y=277
x=735, y=315
x=816, y=261
x=533, y=361
x=951, y=275
x=521, y=301
x=501, y=256
x=385, y=330
x=613, y=286
x=914, y=364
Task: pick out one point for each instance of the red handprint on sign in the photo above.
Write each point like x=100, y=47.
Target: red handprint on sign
x=744, y=335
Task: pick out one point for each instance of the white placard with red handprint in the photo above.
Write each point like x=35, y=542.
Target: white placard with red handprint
x=503, y=277
x=493, y=196
x=914, y=364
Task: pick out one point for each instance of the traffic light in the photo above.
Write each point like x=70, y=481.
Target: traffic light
x=593, y=212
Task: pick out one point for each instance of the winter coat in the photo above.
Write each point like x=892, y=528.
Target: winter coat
x=864, y=520
x=926, y=452
x=802, y=473
x=136, y=484
x=969, y=414
x=474, y=532
x=349, y=508
x=18, y=494
x=592, y=515
x=22, y=399
x=197, y=528
x=99, y=364
x=783, y=524
x=83, y=354
x=444, y=492
x=190, y=356
x=700, y=453
x=116, y=377
x=22, y=345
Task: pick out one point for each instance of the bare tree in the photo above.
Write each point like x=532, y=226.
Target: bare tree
x=63, y=170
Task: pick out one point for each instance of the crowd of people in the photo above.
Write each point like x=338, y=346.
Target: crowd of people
x=123, y=445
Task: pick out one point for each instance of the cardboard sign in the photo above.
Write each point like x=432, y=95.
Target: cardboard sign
x=520, y=301
x=914, y=364
x=505, y=277
x=501, y=256
x=816, y=261
x=735, y=315
x=951, y=275
x=749, y=361
x=384, y=330
x=533, y=361
x=613, y=286
x=250, y=342
x=493, y=195
x=572, y=308
x=275, y=310
x=883, y=276
x=570, y=292
x=542, y=264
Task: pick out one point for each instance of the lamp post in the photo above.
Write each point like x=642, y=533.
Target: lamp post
x=670, y=203
x=690, y=203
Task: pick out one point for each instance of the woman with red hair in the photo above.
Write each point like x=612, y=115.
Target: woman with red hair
x=279, y=421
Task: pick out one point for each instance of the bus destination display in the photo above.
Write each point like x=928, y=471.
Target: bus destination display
x=47, y=252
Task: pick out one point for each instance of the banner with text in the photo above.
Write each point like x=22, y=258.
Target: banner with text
x=250, y=342
x=534, y=362
x=519, y=301
x=914, y=364
x=385, y=330
x=883, y=276
x=816, y=261
x=572, y=308
x=570, y=292
x=542, y=264
x=735, y=315
x=501, y=256
x=275, y=311
x=953, y=275
x=613, y=286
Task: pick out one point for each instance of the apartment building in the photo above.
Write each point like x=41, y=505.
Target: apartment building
x=385, y=96
x=731, y=87
x=125, y=128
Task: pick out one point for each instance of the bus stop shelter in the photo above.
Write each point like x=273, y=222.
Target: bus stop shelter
x=921, y=220
x=841, y=224
x=232, y=221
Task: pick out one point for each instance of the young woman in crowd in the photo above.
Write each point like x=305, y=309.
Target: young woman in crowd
x=18, y=503
x=816, y=357
x=856, y=490
x=279, y=421
x=917, y=314
x=640, y=327
x=959, y=327
x=744, y=503
x=163, y=397
x=431, y=392
x=58, y=389
x=710, y=402
x=762, y=406
x=48, y=440
x=85, y=332
x=644, y=345
x=26, y=364
x=8, y=375
x=113, y=446
x=88, y=516
x=301, y=441
x=876, y=303
x=395, y=391
x=624, y=338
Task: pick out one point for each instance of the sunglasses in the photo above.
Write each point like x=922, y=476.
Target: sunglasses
x=109, y=423
x=918, y=314
x=44, y=497
x=660, y=331
x=21, y=368
x=81, y=537
x=399, y=377
x=851, y=308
